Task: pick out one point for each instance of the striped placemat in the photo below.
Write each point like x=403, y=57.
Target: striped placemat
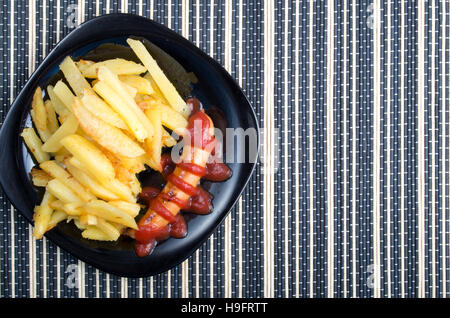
x=351, y=197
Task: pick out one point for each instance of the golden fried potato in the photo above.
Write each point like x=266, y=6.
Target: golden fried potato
x=104, y=134
x=34, y=144
x=117, y=66
x=90, y=156
x=166, y=87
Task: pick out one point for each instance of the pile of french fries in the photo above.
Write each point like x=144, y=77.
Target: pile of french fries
x=93, y=136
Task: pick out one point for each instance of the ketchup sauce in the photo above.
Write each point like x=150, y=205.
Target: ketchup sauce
x=148, y=234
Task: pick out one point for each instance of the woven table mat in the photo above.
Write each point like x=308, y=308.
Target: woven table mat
x=351, y=195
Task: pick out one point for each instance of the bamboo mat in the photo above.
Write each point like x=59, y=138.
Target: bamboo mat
x=351, y=197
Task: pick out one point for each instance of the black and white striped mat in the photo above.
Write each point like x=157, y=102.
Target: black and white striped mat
x=351, y=198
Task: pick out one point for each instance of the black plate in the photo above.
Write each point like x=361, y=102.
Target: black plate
x=215, y=87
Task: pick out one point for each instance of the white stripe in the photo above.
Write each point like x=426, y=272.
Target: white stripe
x=240, y=210
x=330, y=149
x=169, y=284
x=58, y=18
x=107, y=279
x=81, y=283
x=388, y=151
x=444, y=152
x=376, y=147
x=140, y=11
x=211, y=266
x=447, y=222
x=197, y=22
x=286, y=166
x=123, y=6
x=169, y=13
x=227, y=242
x=433, y=149
x=311, y=150
x=197, y=274
x=140, y=287
x=354, y=107
x=344, y=102
x=124, y=287
x=97, y=7
x=211, y=29
x=402, y=151
x=297, y=152
x=421, y=150
x=151, y=8
x=268, y=148
x=97, y=283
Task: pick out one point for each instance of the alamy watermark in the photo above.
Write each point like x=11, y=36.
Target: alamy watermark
x=234, y=145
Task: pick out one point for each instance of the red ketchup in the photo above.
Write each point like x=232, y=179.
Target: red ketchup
x=199, y=202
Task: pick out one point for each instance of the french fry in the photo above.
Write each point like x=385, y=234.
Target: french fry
x=104, y=134
x=113, y=185
x=42, y=215
x=57, y=205
x=88, y=219
x=100, y=109
x=133, y=165
x=52, y=122
x=61, y=154
x=62, y=192
x=83, y=65
x=135, y=185
x=44, y=135
x=34, y=144
x=89, y=182
x=65, y=95
x=156, y=91
x=57, y=216
x=56, y=171
x=40, y=118
x=73, y=76
x=131, y=91
x=170, y=118
x=94, y=233
x=111, y=79
x=170, y=93
x=155, y=146
x=117, y=66
x=117, y=103
x=73, y=208
x=142, y=85
x=132, y=209
x=57, y=104
x=69, y=127
x=121, y=190
x=39, y=178
x=167, y=139
x=90, y=156
x=109, y=212
x=78, y=224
